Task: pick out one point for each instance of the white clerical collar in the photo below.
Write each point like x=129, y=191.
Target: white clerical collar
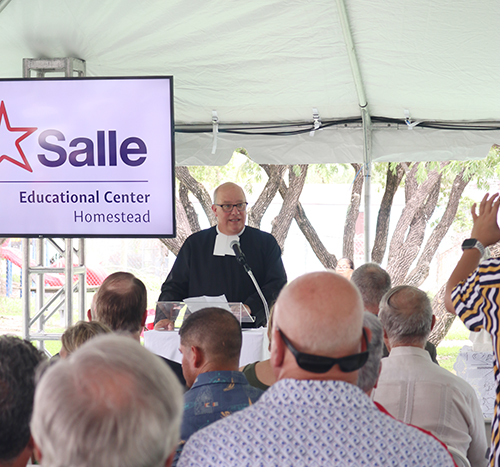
x=222, y=242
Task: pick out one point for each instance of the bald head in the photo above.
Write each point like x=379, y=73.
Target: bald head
x=406, y=315
x=322, y=314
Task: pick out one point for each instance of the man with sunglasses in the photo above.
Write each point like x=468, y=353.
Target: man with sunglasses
x=415, y=390
x=315, y=414
x=206, y=263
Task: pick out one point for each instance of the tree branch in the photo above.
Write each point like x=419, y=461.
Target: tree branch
x=198, y=190
x=282, y=222
x=257, y=211
x=352, y=213
x=392, y=183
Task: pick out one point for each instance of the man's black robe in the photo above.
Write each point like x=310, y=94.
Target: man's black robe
x=198, y=272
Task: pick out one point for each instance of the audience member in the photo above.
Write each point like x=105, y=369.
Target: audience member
x=345, y=267
x=121, y=303
x=111, y=403
x=472, y=293
x=314, y=414
x=80, y=333
x=373, y=282
x=260, y=374
x=368, y=373
x=415, y=390
x=211, y=345
x=18, y=361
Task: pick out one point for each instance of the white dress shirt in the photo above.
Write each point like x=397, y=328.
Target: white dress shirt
x=415, y=390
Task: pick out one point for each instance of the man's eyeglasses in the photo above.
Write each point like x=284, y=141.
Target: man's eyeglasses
x=319, y=364
x=229, y=207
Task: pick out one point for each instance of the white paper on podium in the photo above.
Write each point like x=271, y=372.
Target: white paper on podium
x=166, y=343
x=198, y=303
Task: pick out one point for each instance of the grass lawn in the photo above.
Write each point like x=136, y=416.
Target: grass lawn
x=448, y=349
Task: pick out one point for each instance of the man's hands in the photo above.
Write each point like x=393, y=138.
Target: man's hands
x=164, y=325
x=486, y=228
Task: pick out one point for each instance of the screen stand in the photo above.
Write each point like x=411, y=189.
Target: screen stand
x=62, y=299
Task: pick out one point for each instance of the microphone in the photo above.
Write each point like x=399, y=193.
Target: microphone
x=241, y=258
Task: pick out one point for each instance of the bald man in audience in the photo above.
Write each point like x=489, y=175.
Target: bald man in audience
x=416, y=391
x=111, y=403
x=314, y=414
x=18, y=362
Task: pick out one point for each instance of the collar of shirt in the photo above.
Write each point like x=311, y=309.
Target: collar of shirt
x=223, y=377
x=405, y=350
x=222, y=242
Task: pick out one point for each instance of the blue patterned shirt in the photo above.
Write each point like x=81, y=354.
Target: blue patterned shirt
x=213, y=396
x=312, y=423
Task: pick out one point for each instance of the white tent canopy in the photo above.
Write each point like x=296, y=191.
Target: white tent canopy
x=269, y=63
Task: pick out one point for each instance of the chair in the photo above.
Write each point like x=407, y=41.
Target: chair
x=458, y=457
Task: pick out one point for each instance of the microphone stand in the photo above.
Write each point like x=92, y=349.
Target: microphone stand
x=241, y=258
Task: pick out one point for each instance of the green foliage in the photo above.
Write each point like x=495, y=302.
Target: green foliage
x=447, y=356
x=329, y=173
x=240, y=169
x=457, y=331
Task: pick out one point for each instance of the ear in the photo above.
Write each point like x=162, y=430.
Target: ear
x=144, y=318
x=198, y=357
x=368, y=332
x=170, y=459
x=37, y=452
x=433, y=323
x=386, y=341
x=89, y=314
x=214, y=209
x=277, y=351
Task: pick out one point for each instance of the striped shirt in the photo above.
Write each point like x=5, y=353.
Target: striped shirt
x=477, y=303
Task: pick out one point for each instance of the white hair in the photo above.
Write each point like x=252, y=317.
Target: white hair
x=406, y=315
x=368, y=373
x=110, y=403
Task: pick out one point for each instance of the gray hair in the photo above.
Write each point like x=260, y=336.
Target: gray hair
x=111, y=403
x=368, y=374
x=373, y=282
x=406, y=315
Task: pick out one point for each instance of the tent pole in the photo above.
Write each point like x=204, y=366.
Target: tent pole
x=367, y=170
x=365, y=114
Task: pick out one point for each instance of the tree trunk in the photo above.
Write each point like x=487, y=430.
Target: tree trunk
x=444, y=320
x=282, y=222
x=352, y=213
x=192, y=217
x=198, y=190
x=399, y=250
x=421, y=270
x=328, y=260
x=393, y=180
x=257, y=211
x=183, y=230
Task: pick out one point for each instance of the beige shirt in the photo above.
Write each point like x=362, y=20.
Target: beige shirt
x=415, y=390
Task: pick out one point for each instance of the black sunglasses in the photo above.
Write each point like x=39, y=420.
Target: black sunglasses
x=319, y=364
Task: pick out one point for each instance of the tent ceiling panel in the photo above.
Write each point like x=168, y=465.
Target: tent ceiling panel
x=275, y=60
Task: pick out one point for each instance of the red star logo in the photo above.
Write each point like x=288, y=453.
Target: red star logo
x=26, y=132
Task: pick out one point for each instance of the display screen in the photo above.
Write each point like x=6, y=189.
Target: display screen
x=87, y=157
